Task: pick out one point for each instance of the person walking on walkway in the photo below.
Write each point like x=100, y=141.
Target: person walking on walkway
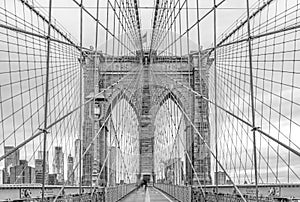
x=144, y=183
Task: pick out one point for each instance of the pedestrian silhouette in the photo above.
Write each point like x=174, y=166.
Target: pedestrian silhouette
x=144, y=183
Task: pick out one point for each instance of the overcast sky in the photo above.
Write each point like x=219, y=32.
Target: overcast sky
x=67, y=13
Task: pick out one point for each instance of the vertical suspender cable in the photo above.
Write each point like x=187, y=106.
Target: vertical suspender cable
x=46, y=99
x=107, y=15
x=106, y=41
x=114, y=31
x=173, y=37
x=94, y=93
x=180, y=41
x=137, y=18
x=200, y=82
x=175, y=52
x=252, y=97
x=81, y=101
x=189, y=72
x=215, y=89
x=113, y=55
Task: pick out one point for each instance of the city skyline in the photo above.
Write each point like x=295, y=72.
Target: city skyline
x=35, y=173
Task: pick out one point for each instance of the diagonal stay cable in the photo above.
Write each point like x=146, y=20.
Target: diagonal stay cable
x=16, y=29
x=91, y=143
x=191, y=27
x=119, y=18
x=174, y=123
x=164, y=24
x=130, y=20
x=49, y=146
x=31, y=7
x=237, y=117
x=116, y=138
x=138, y=22
x=244, y=22
x=232, y=125
x=154, y=22
x=105, y=28
x=174, y=20
x=62, y=118
x=206, y=144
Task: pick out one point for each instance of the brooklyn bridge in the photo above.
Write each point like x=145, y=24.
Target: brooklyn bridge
x=163, y=100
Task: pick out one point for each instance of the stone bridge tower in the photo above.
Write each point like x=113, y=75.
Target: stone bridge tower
x=101, y=72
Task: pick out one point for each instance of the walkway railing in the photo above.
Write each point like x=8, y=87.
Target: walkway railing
x=197, y=196
x=97, y=197
x=113, y=194
x=180, y=193
x=189, y=193
x=33, y=193
x=109, y=194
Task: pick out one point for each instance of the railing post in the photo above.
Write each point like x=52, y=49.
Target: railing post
x=105, y=193
x=190, y=193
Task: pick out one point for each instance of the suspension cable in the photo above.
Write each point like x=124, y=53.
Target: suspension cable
x=235, y=116
x=137, y=81
x=206, y=144
x=185, y=149
x=191, y=27
x=92, y=141
x=63, y=117
x=105, y=28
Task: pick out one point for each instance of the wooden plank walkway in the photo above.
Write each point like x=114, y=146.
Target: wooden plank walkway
x=150, y=195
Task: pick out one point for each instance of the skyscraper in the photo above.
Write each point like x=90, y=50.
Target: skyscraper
x=1, y=176
x=76, y=161
x=10, y=161
x=38, y=164
x=22, y=173
x=39, y=168
x=52, y=179
x=221, y=177
x=70, y=180
x=58, y=164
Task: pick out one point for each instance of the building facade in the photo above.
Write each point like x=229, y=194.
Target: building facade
x=22, y=173
x=52, y=179
x=221, y=177
x=70, y=179
x=38, y=164
x=58, y=164
x=76, y=162
x=9, y=162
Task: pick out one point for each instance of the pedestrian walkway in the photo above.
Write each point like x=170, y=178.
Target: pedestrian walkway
x=150, y=195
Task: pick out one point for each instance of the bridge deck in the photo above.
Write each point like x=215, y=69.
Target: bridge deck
x=151, y=194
